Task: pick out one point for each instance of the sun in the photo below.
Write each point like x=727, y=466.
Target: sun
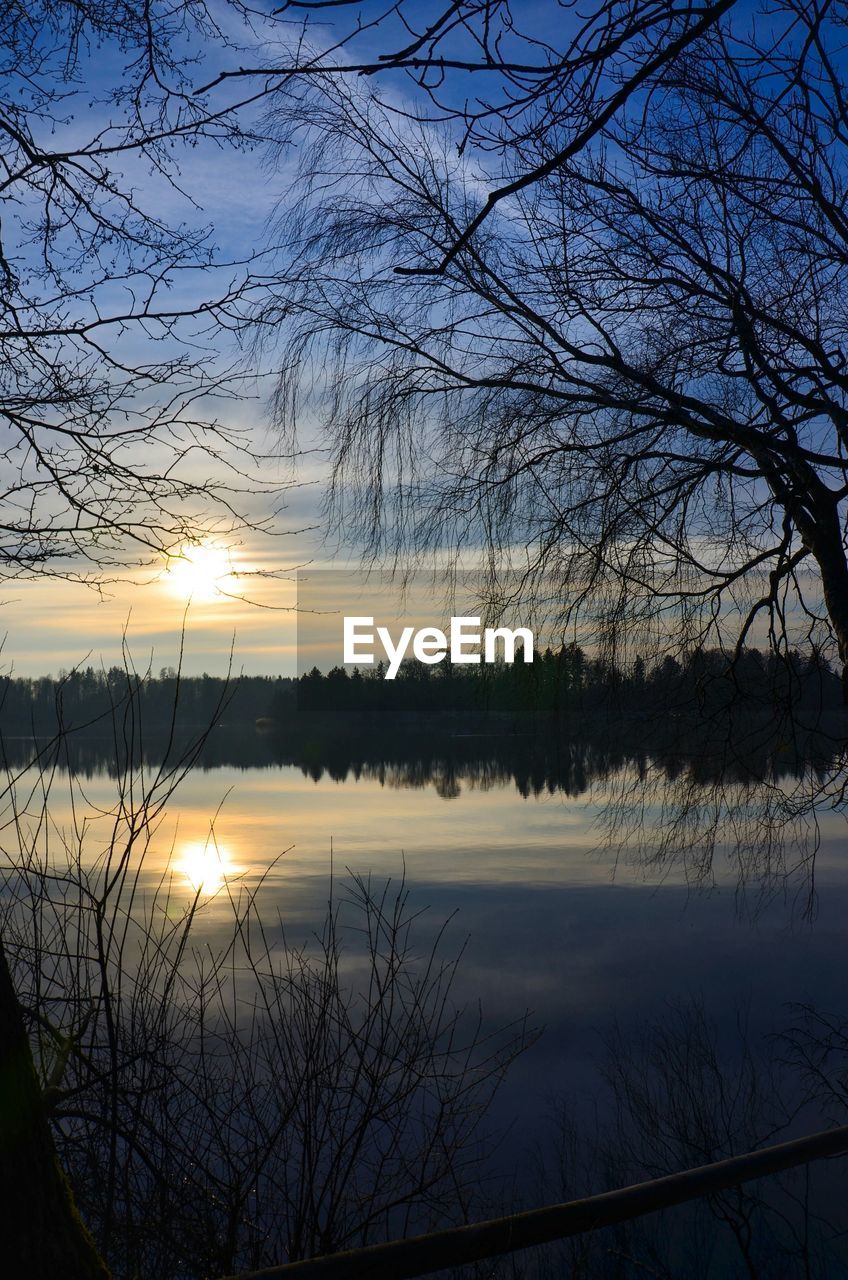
x=201, y=572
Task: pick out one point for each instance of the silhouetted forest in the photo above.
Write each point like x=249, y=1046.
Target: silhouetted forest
x=561, y=682
x=558, y=685
x=556, y=725
x=87, y=700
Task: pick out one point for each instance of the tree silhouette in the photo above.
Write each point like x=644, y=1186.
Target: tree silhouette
x=104, y=393
x=111, y=360
x=632, y=361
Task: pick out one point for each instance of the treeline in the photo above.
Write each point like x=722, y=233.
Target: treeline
x=559, y=684
x=93, y=699
x=568, y=680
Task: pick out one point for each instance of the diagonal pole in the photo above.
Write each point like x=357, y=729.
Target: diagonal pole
x=421, y=1255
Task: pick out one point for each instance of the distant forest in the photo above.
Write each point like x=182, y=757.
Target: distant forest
x=553, y=726
x=558, y=685
x=93, y=700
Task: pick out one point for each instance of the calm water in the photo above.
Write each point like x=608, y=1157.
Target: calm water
x=596, y=886
x=556, y=920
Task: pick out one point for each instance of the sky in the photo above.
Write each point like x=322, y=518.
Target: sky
x=230, y=603
x=239, y=593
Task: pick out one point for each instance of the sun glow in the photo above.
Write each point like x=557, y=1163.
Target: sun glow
x=201, y=572
x=206, y=864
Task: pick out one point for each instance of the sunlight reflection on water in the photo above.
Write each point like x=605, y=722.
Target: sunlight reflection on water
x=205, y=864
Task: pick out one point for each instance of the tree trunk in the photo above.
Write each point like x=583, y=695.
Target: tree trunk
x=826, y=546
x=42, y=1236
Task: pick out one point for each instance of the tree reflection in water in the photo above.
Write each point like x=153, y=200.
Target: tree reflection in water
x=742, y=794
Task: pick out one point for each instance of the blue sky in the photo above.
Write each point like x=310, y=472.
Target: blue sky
x=50, y=625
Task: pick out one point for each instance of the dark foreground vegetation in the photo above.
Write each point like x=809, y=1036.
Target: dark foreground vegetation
x=217, y=1098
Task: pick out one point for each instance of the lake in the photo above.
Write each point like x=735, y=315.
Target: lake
x=603, y=910
x=556, y=920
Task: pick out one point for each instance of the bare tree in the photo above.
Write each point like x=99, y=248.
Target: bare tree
x=48, y=1236
x=226, y=1102
x=111, y=308
x=631, y=362
x=484, y=65
x=107, y=448
x=686, y=1089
